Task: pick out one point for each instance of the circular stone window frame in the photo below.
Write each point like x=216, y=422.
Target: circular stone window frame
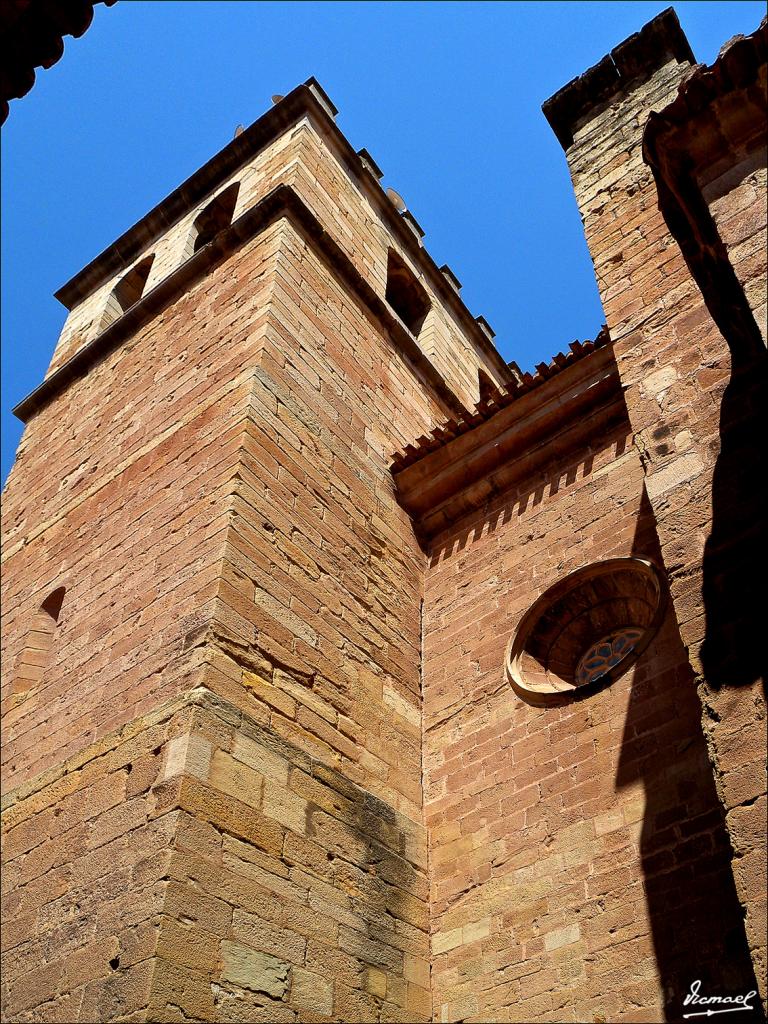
x=567, y=692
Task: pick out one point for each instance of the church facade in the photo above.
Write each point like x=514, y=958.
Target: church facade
x=351, y=673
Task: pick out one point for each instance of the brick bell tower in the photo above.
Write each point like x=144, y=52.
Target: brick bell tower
x=307, y=711
x=211, y=711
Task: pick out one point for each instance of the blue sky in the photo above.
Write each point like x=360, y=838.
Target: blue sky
x=445, y=96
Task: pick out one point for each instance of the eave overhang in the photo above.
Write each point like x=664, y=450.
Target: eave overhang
x=514, y=445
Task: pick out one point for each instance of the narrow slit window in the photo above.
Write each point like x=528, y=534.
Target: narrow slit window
x=38, y=646
x=127, y=291
x=405, y=294
x=216, y=216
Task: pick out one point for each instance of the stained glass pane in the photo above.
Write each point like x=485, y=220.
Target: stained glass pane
x=602, y=656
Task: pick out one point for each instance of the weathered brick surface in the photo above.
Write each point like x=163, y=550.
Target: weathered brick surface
x=563, y=840
x=309, y=158
x=84, y=880
x=695, y=418
x=134, y=527
x=246, y=460
x=283, y=899
x=736, y=200
x=268, y=398
x=322, y=575
x=188, y=896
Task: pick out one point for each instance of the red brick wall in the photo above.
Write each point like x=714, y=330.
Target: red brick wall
x=322, y=573
x=564, y=840
x=132, y=521
x=229, y=524
x=695, y=418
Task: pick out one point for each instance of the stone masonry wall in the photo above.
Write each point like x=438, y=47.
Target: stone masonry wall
x=213, y=799
x=197, y=867
x=300, y=897
x=132, y=522
x=133, y=458
x=683, y=401
x=322, y=575
x=85, y=879
x=564, y=840
x=319, y=177
x=309, y=160
x=228, y=520
x=225, y=518
x=736, y=201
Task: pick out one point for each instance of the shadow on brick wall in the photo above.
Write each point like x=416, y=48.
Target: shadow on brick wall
x=526, y=497
x=734, y=589
x=696, y=920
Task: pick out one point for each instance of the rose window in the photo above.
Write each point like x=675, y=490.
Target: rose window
x=586, y=630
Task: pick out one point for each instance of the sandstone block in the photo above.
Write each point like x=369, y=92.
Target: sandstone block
x=265, y=761
x=284, y=806
x=250, y=969
x=376, y=982
x=232, y=776
x=562, y=937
